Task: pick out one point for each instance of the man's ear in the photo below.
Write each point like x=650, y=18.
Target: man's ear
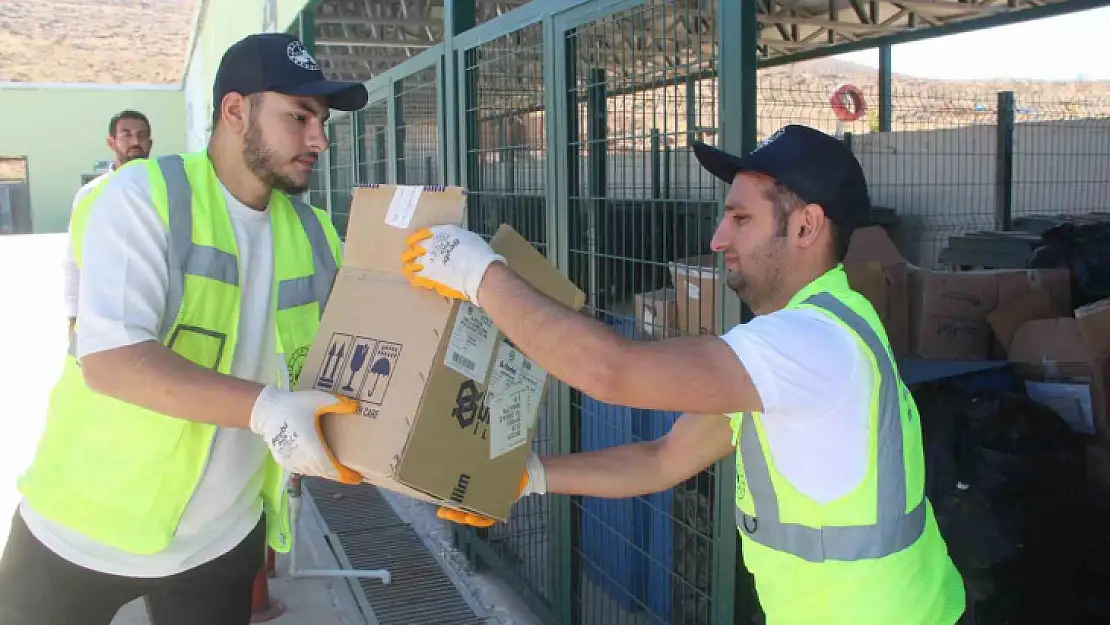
x=810, y=223
x=234, y=109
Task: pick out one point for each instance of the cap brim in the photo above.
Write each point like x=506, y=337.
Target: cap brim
x=721, y=164
x=339, y=95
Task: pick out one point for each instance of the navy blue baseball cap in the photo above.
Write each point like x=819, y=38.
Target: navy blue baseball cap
x=280, y=63
x=818, y=168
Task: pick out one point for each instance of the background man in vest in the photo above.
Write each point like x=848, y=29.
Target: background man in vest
x=795, y=385
x=129, y=138
x=153, y=472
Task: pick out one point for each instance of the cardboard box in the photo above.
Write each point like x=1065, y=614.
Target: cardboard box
x=1065, y=363
x=879, y=272
x=950, y=311
x=447, y=405
x=656, y=313
x=695, y=281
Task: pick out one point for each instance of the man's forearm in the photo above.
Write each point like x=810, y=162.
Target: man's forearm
x=571, y=347
x=615, y=472
x=151, y=375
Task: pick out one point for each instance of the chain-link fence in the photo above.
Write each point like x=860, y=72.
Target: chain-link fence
x=574, y=127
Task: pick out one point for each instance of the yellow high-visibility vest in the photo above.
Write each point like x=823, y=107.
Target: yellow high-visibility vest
x=123, y=475
x=874, y=555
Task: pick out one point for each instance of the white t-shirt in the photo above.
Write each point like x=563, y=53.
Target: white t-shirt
x=816, y=383
x=72, y=272
x=122, y=299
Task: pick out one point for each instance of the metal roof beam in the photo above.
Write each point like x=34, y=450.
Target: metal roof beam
x=904, y=34
x=363, y=43
x=369, y=22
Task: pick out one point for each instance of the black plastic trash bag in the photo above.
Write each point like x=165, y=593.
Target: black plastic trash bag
x=1084, y=249
x=1006, y=478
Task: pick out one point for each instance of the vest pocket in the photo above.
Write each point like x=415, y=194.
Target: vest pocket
x=201, y=346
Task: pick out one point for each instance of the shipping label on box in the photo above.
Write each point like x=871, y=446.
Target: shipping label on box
x=446, y=404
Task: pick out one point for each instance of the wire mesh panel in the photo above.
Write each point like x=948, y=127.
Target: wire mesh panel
x=505, y=165
x=341, y=161
x=506, y=157
x=1061, y=154
x=642, y=213
x=935, y=168
x=317, y=184
x=417, y=128
x=373, y=155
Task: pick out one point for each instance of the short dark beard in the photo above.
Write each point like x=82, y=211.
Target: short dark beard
x=262, y=161
x=124, y=158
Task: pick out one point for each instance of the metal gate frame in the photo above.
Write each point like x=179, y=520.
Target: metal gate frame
x=736, y=72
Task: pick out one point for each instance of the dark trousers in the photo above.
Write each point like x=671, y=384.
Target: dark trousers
x=39, y=588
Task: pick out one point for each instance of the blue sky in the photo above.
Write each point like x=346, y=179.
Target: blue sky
x=1059, y=48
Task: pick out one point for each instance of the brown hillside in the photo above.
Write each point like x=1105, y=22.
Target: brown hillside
x=96, y=41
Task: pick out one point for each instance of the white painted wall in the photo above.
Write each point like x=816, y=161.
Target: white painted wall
x=197, y=95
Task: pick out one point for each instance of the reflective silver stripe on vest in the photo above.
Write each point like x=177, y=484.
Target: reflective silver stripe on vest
x=185, y=257
x=894, y=530
x=317, y=286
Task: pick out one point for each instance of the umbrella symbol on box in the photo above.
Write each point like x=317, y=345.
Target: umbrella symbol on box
x=381, y=370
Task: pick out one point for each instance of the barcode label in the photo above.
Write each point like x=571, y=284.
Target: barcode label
x=464, y=362
x=470, y=349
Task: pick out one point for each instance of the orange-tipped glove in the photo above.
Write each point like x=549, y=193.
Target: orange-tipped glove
x=448, y=260
x=289, y=422
x=533, y=482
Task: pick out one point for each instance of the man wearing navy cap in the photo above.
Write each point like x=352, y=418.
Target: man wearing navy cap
x=161, y=470
x=830, y=506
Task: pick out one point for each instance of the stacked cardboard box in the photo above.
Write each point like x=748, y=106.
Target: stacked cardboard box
x=1063, y=358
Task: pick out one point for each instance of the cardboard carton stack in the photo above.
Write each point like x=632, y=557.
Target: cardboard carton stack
x=448, y=406
x=1062, y=358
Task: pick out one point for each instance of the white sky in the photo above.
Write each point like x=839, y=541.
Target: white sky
x=1058, y=48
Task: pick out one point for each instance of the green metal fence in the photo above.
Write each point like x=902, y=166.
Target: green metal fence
x=571, y=122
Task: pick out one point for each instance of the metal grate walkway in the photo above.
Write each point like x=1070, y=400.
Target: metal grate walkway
x=373, y=536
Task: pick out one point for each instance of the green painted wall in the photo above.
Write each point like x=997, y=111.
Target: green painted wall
x=62, y=132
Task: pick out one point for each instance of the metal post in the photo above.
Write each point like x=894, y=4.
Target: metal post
x=381, y=157
x=399, y=154
x=737, y=59
x=1004, y=171
x=886, y=98
x=470, y=168
x=692, y=108
x=325, y=170
x=359, y=148
x=556, y=79
x=306, y=26
x=656, y=174
x=392, y=118
x=458, y=17
x=597, y=132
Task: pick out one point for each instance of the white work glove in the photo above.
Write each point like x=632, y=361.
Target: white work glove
x=289, y=422
x=533, y=482
x=448, y=260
